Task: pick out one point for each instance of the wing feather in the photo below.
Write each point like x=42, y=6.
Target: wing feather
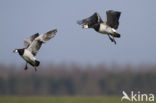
x=29, y=40
x=37, y=42
x=112, y=18
x=90, y=21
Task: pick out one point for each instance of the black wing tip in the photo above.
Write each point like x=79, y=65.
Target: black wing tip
x=55, y=30
x=113, y=11
x=52, y=31
x=96, y=13
x=36, y=34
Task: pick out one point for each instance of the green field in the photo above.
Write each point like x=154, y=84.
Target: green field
x=62, y=99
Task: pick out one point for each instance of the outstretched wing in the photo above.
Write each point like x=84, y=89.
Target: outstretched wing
x=29, y=40
x=90, y=21
x=37, y=42
x=112, y=18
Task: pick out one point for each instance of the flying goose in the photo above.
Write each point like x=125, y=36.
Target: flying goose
x=108, y=27
x=32, y=45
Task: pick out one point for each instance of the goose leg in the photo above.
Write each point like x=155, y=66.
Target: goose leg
x=35, y=69
x=26, y=67
x=112, y=39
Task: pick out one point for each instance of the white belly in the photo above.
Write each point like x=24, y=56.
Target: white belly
x=27, y=56
x=104, y=29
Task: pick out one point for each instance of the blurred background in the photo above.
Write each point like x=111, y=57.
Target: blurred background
x=78, y=61
x=75, y=80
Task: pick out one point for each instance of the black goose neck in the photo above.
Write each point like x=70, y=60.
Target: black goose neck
x=21, y=51
x=96, y=27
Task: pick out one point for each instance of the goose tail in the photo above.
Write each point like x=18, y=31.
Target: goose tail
x=115, y=34
x=37, y=63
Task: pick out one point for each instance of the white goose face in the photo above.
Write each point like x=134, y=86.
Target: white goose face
x=15, y=51
x=85, y=26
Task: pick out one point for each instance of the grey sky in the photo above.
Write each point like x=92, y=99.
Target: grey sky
x=22, y=18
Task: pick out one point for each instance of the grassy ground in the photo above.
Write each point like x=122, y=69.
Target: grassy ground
x=61, y=99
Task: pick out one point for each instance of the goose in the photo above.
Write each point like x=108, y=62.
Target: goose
x=108, y=27
x=32, y=45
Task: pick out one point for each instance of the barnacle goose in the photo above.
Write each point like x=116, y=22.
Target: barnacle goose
x=108, y=27
x=32, y=45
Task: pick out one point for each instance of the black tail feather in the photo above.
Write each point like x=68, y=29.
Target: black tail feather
x=37, y=63
x=116, y=35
